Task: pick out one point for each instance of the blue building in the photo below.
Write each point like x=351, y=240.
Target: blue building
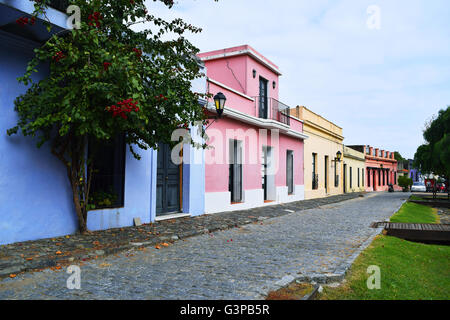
x=414, y=173
x=35, y=196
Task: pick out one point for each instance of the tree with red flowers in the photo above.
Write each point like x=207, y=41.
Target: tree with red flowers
x=106, y=79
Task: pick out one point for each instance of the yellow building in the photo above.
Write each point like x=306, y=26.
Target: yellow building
x=354, y=170
x=323, y=174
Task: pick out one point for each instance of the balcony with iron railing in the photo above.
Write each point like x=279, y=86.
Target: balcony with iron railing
x=270, y=108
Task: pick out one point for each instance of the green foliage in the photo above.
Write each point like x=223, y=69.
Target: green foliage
x=415, y=213
x=409, y=271
x=405, y=182
x=434, y=155
x=94, y=68
x=106, y=79
x=101, y=199
x=398, y=156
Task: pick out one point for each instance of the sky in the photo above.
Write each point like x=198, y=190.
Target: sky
x=380, y=75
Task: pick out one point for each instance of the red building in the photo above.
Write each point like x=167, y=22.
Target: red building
x=381, y=168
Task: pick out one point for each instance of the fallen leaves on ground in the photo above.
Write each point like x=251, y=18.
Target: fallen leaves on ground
x=104, y=265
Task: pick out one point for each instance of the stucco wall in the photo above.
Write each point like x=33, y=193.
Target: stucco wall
x=35, y=197
x=356, y=161
x=217, y=173
x=322, y=147
x=325, y=139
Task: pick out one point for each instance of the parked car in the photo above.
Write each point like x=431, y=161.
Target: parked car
x=418, y=187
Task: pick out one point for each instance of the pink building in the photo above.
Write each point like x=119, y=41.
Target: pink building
x=256, y=149
x=381, y=168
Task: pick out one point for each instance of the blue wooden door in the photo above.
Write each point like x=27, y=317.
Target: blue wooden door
x=167, y=184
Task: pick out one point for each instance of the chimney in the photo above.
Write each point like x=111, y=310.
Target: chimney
x=371, y=151
x=377, y=150
x=382, y=154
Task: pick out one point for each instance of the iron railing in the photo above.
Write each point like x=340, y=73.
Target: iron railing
x=270, y=108
x=315, y=181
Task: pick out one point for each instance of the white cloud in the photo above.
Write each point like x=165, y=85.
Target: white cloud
x=379, y=85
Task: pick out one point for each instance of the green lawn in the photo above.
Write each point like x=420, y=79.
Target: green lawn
x=409, y=270
x=415, y=213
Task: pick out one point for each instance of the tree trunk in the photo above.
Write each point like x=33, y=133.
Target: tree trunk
x=82, y=221
x=71, y=151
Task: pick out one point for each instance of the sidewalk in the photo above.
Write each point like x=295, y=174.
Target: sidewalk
x=56, y=252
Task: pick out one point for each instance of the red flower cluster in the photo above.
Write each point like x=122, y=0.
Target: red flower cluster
x=24, y=21
x=58, y=56
x=138, y=52
x=106, y=65
x=95, y=18
x=161, y=97
x=123, y=107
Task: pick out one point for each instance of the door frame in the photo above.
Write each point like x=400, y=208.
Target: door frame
x=237, y=147
x=327, y=182
x=160, y=153
x=266, y=98
x=290, y=157
x=345, y=178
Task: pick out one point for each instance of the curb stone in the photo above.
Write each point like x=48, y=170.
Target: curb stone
x=19, y=266
x=313, y=294
x=339, y=273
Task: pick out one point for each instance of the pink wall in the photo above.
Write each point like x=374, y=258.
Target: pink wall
x=236, y=72
x=231, y=72
x=235, y=101
x=261, y=71
x=217, y=173
x=372, y=162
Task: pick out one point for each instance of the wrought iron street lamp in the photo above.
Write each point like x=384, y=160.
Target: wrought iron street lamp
x=336, y=160
x=219, y=101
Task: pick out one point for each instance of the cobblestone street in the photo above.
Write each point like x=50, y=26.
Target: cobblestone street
x=240, y=263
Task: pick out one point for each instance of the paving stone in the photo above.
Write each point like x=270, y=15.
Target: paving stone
x=314, y=244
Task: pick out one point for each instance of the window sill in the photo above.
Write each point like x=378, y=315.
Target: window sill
x=106, y=208
x=232, y=203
